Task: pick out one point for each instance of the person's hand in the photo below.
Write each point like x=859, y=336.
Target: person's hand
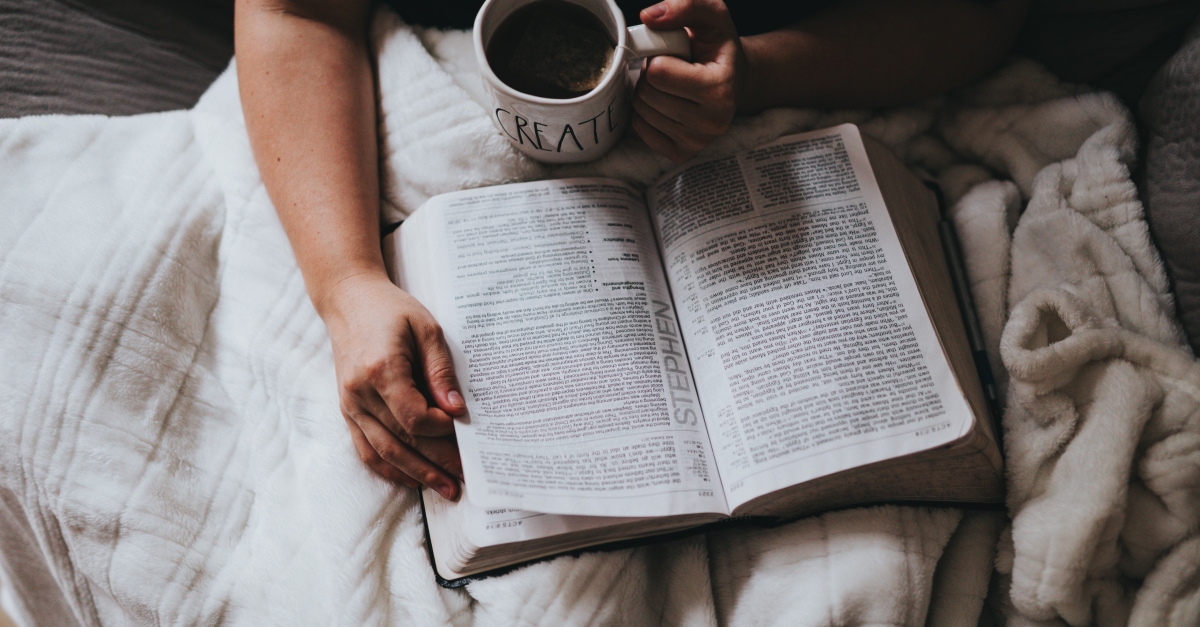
x=680, y=107
x=396, y=382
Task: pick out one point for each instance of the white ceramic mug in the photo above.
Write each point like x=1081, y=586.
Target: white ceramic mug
x=583, y=128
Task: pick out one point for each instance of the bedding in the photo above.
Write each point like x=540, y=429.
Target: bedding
x=171, y=449
x=116, y=57
x=1170, y=111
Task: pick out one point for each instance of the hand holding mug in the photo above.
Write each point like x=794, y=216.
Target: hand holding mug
x=680, y=106
x=570, y=127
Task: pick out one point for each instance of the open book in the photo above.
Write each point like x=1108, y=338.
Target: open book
x=769, y=334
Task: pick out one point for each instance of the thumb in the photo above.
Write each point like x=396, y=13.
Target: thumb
x=439, y=373
x=708, y=20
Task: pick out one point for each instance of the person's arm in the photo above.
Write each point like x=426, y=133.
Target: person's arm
x=308, y=93
x=874, y=53
x=858, y=53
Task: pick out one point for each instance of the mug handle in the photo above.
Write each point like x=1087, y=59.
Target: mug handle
x=644, y=43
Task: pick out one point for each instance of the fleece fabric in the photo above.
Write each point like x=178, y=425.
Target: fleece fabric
x=171, y=450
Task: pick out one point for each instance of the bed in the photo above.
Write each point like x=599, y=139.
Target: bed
x=169, y=442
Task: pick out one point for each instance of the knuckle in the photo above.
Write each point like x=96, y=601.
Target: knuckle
x=375, y=370
x=407, y=426
x=429, y=332
x=657, y=72
x=418, y=423
x=351, y=389
x=391, y=452
x=674, y=7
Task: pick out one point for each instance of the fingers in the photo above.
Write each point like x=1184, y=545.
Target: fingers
x=443, y=453
x=385, y=387
x=440, y=450
x=398, y=456
x=679, y=125
x=658, y=141
x=388, y=417
x=406, y=459
x=373, y=461
x=405, y=409
x=690, y=116
x=438, y=369
x=396, y=385
x=687, y=142
x=708, y=84
x=681, y=106
x=707, y=19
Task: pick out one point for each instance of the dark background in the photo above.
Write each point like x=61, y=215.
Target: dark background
x=120, y=57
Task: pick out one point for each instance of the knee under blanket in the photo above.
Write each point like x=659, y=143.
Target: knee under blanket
x=171, y=450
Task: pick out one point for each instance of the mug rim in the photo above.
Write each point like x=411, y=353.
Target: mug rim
x=485, y=68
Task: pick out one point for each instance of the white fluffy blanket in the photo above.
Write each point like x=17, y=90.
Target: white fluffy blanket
x=171, y=450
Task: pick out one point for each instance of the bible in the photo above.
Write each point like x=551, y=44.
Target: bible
x=762, y=336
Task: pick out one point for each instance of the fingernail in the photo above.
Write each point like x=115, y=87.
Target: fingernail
x=655, y=11
x=447, y=491
x=456, y=399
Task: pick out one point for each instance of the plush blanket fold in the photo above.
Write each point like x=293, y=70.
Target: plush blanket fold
x=171, y=449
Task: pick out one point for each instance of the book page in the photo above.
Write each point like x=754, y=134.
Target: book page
x=499, y=526
x=553, y=301
x=809, y=341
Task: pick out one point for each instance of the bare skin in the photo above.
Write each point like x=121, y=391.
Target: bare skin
x=308, y=93
x=860, y=53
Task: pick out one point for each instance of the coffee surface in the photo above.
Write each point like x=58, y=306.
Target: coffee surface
x=552, y=49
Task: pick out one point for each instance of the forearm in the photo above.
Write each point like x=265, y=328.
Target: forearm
x=867, y=53
x=308, y=95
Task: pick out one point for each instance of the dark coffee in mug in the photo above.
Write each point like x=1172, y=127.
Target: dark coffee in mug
x=552, y=49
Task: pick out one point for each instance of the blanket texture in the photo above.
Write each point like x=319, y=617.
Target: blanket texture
x=171, y=450
x=1170, y=113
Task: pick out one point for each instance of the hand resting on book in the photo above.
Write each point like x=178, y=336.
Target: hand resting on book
x=318, y=160
x=396, y=384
